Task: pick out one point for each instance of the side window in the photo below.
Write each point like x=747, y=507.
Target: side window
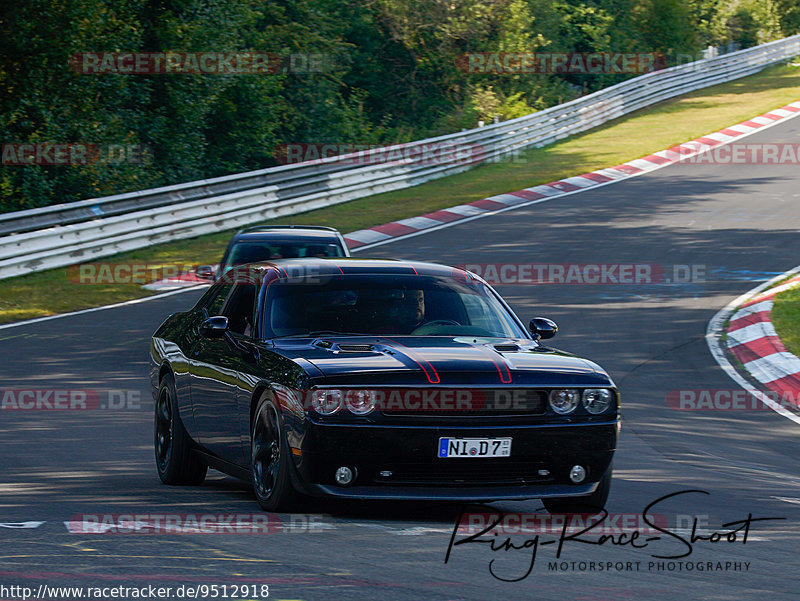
x=239, y=308
x=477, y=312
x=214, y=305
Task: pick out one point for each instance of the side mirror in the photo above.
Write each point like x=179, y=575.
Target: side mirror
x=543, y=328
x=214, y=327
x=205, y=272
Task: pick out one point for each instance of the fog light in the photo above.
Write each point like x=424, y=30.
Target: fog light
x=577, y=474
x=344, y=476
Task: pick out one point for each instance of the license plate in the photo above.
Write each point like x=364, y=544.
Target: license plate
x=474, y=447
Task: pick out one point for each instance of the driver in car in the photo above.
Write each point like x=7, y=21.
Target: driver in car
x=409, y=313
x=400, y=313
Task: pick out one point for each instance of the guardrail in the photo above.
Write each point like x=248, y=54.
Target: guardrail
x=60, y=235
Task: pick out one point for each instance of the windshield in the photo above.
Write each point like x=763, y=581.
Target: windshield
x=386, y=305
x=271, y=250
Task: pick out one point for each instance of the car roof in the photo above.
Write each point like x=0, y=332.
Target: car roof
x=284, y=268
x=303, y=232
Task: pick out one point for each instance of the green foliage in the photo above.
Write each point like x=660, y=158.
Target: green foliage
x=756, y=22
x=789, y=11
x=394, y=71
x=667, y=27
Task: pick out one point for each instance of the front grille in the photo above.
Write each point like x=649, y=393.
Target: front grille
x=463, y=472
x=469, y=403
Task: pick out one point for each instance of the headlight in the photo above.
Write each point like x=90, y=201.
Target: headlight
x=597, y=400
x=327, y=402
x=360, y=402
x=564, y=401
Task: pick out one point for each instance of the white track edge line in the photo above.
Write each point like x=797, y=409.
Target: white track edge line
x=701, y=149
x=135, y=301
x=714, y=332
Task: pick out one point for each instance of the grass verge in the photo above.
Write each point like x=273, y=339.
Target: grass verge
x=641, y=133
x=786, y=318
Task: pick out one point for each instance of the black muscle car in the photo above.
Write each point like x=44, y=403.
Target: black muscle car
x=377, y=379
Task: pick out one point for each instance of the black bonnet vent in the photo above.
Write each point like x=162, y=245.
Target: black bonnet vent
x=356, y=348
x=506, y=348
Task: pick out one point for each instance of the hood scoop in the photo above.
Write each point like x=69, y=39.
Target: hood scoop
x=334, y=347
x=506, y=348
x=358, y=348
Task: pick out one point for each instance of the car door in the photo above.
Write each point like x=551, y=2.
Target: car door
x=216, y=367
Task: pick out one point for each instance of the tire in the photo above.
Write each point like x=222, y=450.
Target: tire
x=589, y=504
x=175, y=461
x=269, y=459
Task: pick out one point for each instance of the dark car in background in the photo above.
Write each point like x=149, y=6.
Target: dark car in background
x=377, y=379
x=269, y=243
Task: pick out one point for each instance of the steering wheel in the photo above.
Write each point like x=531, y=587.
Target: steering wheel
x=441, y=322
x=425, y=327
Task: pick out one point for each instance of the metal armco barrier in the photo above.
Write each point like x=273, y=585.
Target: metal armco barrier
x=59, y=235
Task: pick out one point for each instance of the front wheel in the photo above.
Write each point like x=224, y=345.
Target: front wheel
x=269, y=464
x=175, y=461
x=592, y=503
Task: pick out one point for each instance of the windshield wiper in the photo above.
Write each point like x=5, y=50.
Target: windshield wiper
x=334, y=333
x=319, y=333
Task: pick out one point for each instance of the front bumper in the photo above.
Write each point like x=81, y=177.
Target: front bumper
x=401, y=462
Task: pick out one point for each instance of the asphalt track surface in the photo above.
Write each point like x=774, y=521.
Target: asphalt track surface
x=738, y=221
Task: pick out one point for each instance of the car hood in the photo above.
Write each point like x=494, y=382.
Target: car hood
x=438, y=360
